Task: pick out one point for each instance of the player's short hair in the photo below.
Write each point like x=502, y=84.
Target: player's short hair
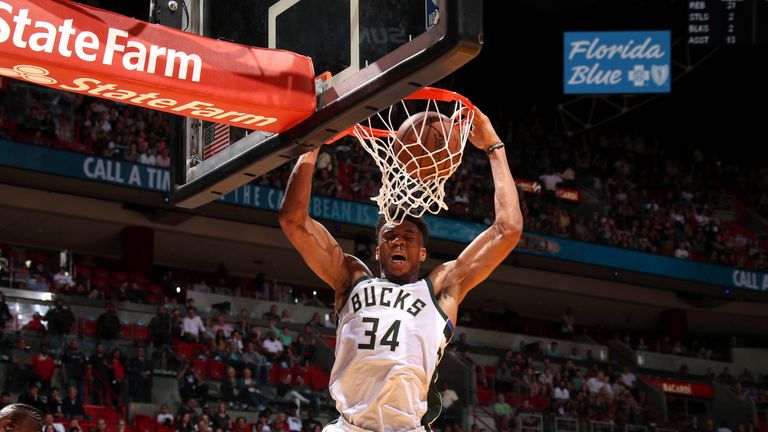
x=419, y=222
x=30, y=414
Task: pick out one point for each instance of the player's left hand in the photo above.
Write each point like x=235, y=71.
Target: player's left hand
x=482, y=135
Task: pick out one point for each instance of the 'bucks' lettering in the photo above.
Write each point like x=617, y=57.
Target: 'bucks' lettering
x=402, y=299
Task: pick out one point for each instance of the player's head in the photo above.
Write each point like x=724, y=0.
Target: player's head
x=400, y=249
x=21, y=418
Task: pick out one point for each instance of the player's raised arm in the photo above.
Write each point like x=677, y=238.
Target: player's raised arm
x=319, y=249
x=493, y=245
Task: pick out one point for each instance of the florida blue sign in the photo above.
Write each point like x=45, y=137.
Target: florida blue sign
x=616, y=62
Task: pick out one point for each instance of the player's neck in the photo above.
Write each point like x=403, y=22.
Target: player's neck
x=400, y=280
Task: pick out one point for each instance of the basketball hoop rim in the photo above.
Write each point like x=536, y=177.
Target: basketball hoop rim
x=425, y=93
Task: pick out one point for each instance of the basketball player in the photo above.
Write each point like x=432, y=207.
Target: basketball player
x=392, y=330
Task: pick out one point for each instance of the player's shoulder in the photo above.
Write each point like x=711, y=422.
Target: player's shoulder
x=356, y=269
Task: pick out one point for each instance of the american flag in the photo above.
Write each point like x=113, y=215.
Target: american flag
x=215, y=139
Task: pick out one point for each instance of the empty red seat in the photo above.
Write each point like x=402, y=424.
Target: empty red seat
x=331, y=341
x=119, y=276
x=201, y=367
x=318, y=378
x=82, y=270
x=484, y=396
x=101, y=273
x=96, y=412
x=140, y=333
x=216, y=369
x=89, y=328
x=139, y=277
x=126, y=331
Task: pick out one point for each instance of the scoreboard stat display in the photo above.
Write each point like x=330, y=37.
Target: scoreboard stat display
x=727, y=22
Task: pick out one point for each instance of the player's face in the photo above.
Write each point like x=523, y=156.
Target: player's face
x=400, y=251
x=14, y=420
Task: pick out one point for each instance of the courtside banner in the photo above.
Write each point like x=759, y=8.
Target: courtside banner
x=616, y=62
x=81, y=49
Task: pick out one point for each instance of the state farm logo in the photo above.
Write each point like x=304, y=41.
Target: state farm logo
x=33, y=74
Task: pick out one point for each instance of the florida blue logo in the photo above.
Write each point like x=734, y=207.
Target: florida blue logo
x=616, y=62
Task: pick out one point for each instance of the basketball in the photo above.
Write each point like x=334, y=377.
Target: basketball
x=423, y=149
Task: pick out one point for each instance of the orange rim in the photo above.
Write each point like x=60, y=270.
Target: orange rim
x=425, y=93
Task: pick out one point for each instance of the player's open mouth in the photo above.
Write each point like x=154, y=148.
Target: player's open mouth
x=398, y=257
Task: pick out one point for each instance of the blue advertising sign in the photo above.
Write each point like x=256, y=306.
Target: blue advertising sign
x=148, y=178
x=617, y=62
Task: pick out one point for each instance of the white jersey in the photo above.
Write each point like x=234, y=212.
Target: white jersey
x=389, y=341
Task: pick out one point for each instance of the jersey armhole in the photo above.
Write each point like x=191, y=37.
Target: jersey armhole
x=354, y=284
x=434, y=298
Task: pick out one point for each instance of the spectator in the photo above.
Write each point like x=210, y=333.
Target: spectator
x=5, y=313
x=451, y=409
x=641, y=346
x=303, y=389
x=191, y=384
x=230, y=389
x=273, y=347
x=561, y=393
x=574, y=354
x=73, y=365
x=628, y=378
x=74, y=425
x=568, y=325
x=35, y=324
x=725, y=377
x=285, y=317
x=250, y=387
x=108, y=323
x=287, y=393
x=140, y=373
x=164, y=417
x=32, y=398
x=294, y=420
x=100, y=371
x=220, y=419
x=184, y=424
x=272, y=314
x=222, y=325
x=723, y=427
x=241, y=425
x=330, y=320
x=55, y=403
x=72, y=406
x=596, y=383
x=193, y=327
x=188, y=408
x=5, y=399
x=43, y=368
x=553, y=350
x=48, y=420
x=116, y=376
x=502, y=413
x=62, y=280
x=59, y=318
x=694, y=425
x=747, y=377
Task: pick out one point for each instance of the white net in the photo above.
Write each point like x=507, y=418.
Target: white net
x=417, y=158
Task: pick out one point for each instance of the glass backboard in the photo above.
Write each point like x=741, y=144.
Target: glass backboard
x=377, y=52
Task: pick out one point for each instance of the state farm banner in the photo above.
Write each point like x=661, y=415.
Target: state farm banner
x=679, y=387
x=77, y=48
x=617, y=62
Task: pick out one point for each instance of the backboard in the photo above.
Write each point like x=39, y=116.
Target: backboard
x=377, y=52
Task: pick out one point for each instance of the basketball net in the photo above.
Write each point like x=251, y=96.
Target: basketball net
x=402, y=192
